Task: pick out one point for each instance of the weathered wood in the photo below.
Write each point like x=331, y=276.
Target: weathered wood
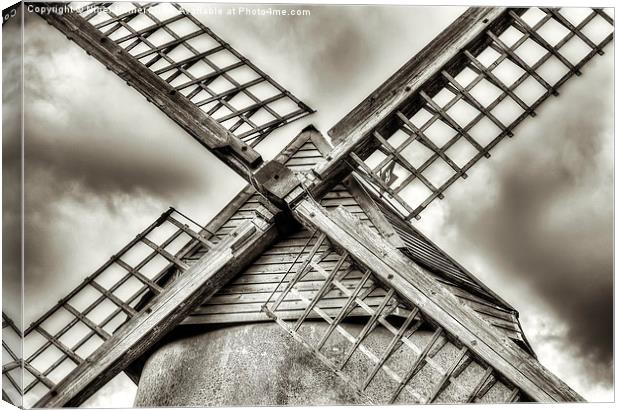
x=221, y=142
x=346, y=309
x=417, y=365
x=164, y=312
x=374, y=212
x=275, y=181
x=415, y=72
x=392, y=346
x=418, y=288
x=446, y=377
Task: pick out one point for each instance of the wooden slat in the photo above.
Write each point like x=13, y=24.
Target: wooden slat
x=476, y=391
x=416, y=366
x=325, y=286
x=446, y=377
x=370, y=325
x=416, y=71
x=492, y=78
x=345, y=310
x=301, y=270
x=564, y=21
x=523, y=27
x=500, y=47
x=392, y=346
x=374, y=212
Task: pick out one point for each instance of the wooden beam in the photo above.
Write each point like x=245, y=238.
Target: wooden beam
x=418, y=288
x=163, y=313
x=221, y=142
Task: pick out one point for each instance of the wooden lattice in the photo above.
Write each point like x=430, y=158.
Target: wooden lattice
x=443, y=132
x=11, y=361
x=467, y=103
x=189, y=56
x=66, y=335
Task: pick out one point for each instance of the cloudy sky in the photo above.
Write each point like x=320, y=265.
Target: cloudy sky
x=534, y=222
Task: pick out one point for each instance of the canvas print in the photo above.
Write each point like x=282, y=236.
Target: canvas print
x=222, y=204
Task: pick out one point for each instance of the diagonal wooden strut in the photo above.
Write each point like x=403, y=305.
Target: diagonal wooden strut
x=199, y=125
x=216, y=119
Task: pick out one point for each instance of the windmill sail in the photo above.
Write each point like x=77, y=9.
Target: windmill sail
x=203, y=83
x=366, y=251
x=11, y=362
x=68, y=334
x=442, y=123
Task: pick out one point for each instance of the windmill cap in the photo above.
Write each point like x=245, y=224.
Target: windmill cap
x=310, y=127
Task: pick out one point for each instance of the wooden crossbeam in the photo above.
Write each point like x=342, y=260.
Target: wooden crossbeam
x=476, y=391
x=394, y=343
x=446, y=377
x=502, y=48
x=369, y=326
x=346, y=309
x=416, y=366
x=417, y=287
x=412, y=89
x=488, y=74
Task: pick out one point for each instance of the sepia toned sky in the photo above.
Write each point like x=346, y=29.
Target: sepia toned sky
x=534, y=222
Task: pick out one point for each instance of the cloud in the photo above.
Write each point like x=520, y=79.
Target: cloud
x=11, y=183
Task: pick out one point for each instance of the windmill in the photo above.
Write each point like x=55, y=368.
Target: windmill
x=322, y=233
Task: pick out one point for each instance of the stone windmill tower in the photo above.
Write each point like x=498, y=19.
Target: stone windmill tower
x=311, y=286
